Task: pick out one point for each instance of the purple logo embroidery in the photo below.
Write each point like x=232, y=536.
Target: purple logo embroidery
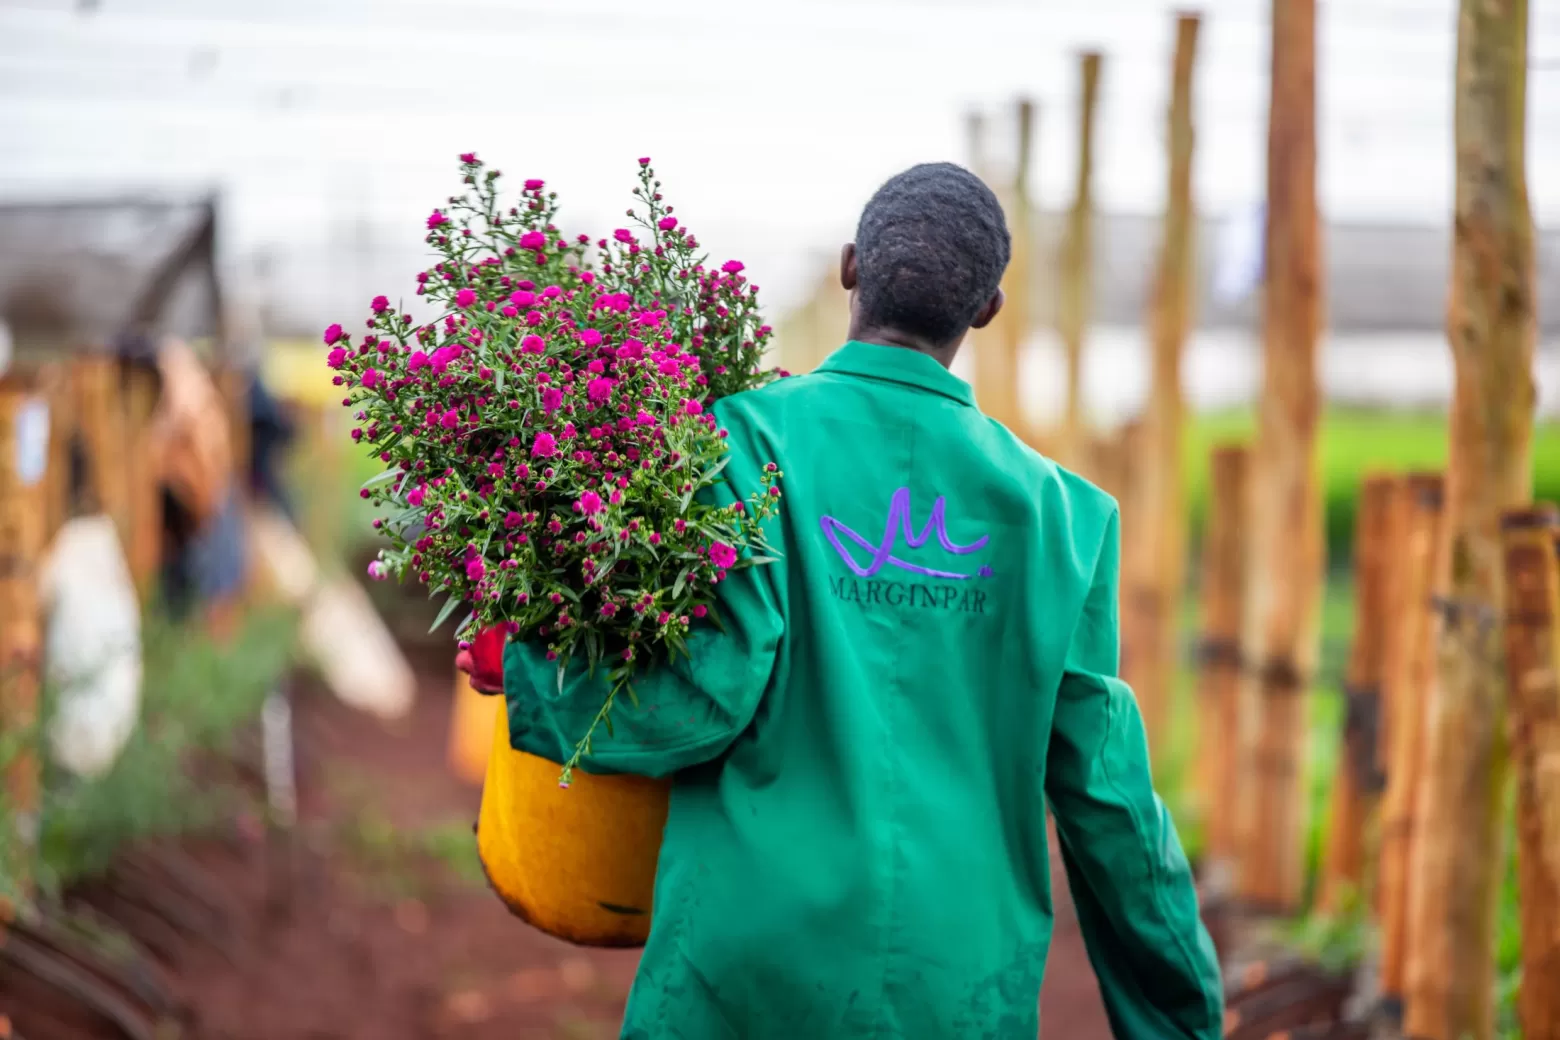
x=899, y=521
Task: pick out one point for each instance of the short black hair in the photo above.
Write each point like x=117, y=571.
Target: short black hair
x=930, y=251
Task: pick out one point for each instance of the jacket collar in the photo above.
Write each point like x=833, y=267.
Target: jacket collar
x=898, y=365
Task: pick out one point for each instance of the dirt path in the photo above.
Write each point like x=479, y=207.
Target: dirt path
x=390, y=933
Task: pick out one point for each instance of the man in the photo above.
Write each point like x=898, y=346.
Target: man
x=857, y=841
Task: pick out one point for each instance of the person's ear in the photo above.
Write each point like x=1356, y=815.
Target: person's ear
x=848, y=267
x=984, y=316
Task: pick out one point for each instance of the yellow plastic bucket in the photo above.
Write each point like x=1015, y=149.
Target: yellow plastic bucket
x=579, y=864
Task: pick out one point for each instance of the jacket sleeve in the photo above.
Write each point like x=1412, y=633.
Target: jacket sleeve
x=1130, y=880
x=689, y=711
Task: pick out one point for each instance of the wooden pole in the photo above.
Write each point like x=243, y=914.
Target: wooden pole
x=100, y=426
x=1000, y=349
x=975, y=142
x=1218, y=672
x=1076, y=266
x=23, y=462
x=1406, y=672
x=144, y=479
x=1492, y=327
x=1161, y=524
x=1532, y=632
x=1358, y=781
x=55, y=388
x=1281, y=634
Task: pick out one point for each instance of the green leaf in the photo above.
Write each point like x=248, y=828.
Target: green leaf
x=450, y=606
x=380, y=478
x=498, y=378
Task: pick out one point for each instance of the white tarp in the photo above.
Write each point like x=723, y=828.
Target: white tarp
x=92, y=645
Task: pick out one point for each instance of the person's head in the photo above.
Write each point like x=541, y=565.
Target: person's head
x=927, y=261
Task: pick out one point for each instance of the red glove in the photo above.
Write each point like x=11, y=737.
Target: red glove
x=484, y=661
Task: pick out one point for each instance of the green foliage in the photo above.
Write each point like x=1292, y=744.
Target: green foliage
x=399, y=862
x=196, y=693
x=1337, y=941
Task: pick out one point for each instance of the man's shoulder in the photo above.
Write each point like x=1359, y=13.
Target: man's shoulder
x=1049, y=478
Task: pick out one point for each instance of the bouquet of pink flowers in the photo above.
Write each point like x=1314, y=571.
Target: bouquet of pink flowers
x=547, y=437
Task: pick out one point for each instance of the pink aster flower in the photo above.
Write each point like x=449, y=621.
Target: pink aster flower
x=436, y=219
x=545, y=446
x=532, y=344
x=590, y=337
x=336, y=358
x=450, y=419
x=371, y=378
x=332, y=334
x=415, y=497
x=521, y=298
x=533, y=241
x=623, y=235
x=732, y=266
x=380, y=304
x=700, y=610
x=599, y=390
x=692, y=407
x=722, y=555
x=552, y=397
x=666, y=223
x=513, y=519
x=475, y=569
x=465, y=298
x=533, y=184
x=468, y=157
x=590, y=503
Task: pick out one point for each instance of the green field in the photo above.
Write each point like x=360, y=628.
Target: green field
x=1355, y=443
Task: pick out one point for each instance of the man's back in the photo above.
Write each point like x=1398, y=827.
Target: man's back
x=859, y=846
x=870, y=859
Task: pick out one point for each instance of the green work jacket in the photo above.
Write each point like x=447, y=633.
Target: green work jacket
x=857, y=843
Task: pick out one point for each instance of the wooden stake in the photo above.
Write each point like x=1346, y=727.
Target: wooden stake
x=1358, y=782
x=1108, y=461
x=1077, y=260
x=999, y=349
x=55, y=389
x=144, y=479
x=1281, y=633
x=100, y=426
x=1161, y=558
x=975, y=142
x=1218, y=672
x=1406, y=672
x=1532, y=630
x=1492, y=327
x=23, y=460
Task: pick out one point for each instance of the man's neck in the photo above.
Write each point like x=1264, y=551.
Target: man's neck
x=943, y=353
